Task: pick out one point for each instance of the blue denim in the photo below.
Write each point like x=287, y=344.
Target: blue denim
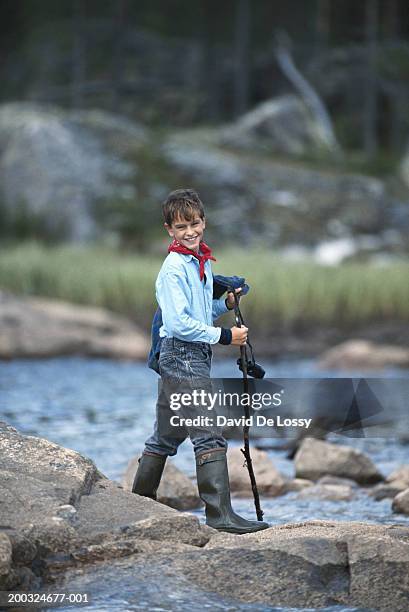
x=183, y=366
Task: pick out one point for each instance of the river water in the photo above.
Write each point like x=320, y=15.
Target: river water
x=105, y=410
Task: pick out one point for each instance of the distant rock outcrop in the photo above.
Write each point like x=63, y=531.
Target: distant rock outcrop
x=364, y=354
x=37, y=327
x=78, y=175
x=55, y=165
x=283, y=125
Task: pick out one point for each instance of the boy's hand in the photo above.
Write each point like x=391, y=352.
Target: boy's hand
x=230, y=298
x=239, y=335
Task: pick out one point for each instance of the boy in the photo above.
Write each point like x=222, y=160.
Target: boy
x=184, y=290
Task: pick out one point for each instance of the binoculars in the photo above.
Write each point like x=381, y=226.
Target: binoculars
x=253, y=369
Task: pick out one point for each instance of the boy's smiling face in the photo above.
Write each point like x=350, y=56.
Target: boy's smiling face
x=188, y=233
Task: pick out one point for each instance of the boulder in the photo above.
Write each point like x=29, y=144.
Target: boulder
x=337, y=480
x=316, y=458
x=58, y=510
x=327, y=492
x=387, y=490
x=364, y=354
x=282, y=125
x=297, y=484
x=269, y=480
x=30, y=465
x=56, y=165
x=79, y=175
x=400, y=503
x=401, y=474
x=175, y=490
x=71, y=329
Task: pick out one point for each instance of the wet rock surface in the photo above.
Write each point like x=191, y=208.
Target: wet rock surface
x=58, y=510
x=71, y=329
x=89, y=521
x=311, y=564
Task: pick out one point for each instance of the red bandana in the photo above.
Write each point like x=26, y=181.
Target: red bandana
x=204, y=253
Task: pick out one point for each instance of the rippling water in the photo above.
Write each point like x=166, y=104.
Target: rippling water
x=105, y=410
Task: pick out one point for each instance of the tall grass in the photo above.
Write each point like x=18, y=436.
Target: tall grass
x=282, y=293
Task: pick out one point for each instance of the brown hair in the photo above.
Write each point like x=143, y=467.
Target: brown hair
x=182, y=203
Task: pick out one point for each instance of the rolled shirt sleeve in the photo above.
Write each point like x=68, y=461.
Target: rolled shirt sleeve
x=174, y=302
x=219, y=307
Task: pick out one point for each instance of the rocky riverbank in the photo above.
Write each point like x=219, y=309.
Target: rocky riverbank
x=32, y=327
x=59, y=513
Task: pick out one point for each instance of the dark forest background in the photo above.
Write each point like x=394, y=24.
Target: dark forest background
x=206, y=61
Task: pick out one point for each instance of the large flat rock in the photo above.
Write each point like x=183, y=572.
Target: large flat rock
x=57, y=510
x=314, y=564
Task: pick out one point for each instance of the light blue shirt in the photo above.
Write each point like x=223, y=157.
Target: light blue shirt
x=187, y=304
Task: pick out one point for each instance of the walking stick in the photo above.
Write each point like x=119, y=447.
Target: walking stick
x=246, y=451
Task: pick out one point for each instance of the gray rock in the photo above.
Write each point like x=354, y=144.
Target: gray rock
x=401, y=474
x=364, y=354
x=331, y=492
x=313, y=564
x=282, y=125
x=175, y=490
x=57, y=164
x=400, y=503
x=6, y=572
x=58, y=510
x=387, y=490
x=30, y=465
x=316, y=458
x=337, y=480
x=379, y=567
x=297, y=484
x=269, y=480
x=71, y=329
x=296, y=205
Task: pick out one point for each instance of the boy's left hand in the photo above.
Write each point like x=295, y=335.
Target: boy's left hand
x=230, y=298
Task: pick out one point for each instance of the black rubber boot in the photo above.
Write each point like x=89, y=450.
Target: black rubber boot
x=214, y=490
x=148, y=474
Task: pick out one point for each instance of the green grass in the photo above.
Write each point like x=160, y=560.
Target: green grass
x=282, y=293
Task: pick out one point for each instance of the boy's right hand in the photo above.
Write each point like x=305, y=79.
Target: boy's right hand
x=239, y=335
